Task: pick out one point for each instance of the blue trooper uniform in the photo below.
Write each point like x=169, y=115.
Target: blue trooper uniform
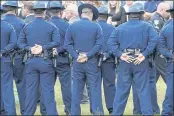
x=151, y=5
x=166, y=48
x=158, y=22
x=63, y=69
x=108, y=64
x=85, y=36
x=18, y=67
x=39, y=67
x=141, y=37
x=8, y=43
x=157, y=69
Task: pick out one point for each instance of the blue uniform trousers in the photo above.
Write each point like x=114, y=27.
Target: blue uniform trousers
x=155, y=107
x=109, y=75
x=40, y=72
x=138, y=75
x=63, y=71
x=19, y=77
x=7, y=92
x=168, y=101
x=160, y=64
x=93, y=76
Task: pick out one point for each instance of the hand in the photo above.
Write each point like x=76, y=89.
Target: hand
x=54, y=51
x=125, y=57
x=140, y=58
x=82, y=58
x=109, y=21
x=37, y=49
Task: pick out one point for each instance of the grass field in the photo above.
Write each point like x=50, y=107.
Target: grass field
x=161, y=87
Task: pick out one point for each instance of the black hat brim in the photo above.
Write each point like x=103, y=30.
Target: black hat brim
x=61, y=8
x=12, y=6
x=94, y=10
x=38, y=8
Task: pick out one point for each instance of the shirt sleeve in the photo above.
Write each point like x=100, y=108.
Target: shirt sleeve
x=113, y=44
x=98, y=44
x=69, y=43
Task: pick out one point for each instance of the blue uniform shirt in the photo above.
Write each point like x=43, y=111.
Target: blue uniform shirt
x=62, y=26
x=107, y=31
x=8, y=37
x=39, y=32
x=157, y=21
x=151, y=5
x=166, y=40
x=84, y=36
x=134, y=34
x=17, y=23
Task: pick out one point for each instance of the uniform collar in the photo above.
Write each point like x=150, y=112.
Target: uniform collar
x=39, y=18
x=10, y=15
x=134, y=20
x=102, y=21
x=55, y=17
x=84, y=19
x=30, y=15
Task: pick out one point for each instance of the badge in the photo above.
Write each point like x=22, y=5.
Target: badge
x=156, y=22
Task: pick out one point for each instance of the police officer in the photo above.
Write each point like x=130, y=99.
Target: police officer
x=8, y=43
x=167, y=49
x=108, y=61
x=132, y=42
x=38, y=38
x=158, y=20
x=83, y=41
x=18, y=67
x=2, y=111
x=63, y=69
x=159, y=63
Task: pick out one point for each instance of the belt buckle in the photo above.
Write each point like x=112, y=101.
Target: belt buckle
x=83, y=53
x=137, y=51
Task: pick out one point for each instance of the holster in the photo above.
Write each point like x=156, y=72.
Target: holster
x=100, y=59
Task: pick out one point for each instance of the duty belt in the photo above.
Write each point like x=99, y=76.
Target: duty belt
x=132, y=51
x=38, y=55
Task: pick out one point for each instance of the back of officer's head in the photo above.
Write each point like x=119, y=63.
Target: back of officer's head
x=103, y=17
x=87, y=13
x=103, y=13
x=11, y=7
x=55, y=8
x=39, y=8
x=136, y=11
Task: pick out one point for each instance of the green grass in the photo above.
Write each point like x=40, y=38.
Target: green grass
x=161, y=87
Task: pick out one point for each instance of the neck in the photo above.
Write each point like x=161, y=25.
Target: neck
x=39, y=15
x=103, y=19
